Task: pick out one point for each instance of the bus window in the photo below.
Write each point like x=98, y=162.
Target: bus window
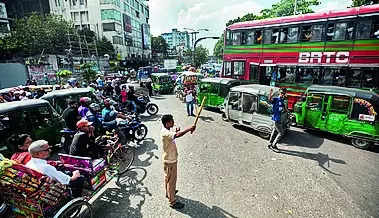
x=293, y=33
x=354, y=79
x=308, y=75
x=350, y=31
x=287, y=74
x=340, y=31
x=275, y=36
x=250, y=38
x=375, y=28
x=330, y=32
x=258, y=37
x=228, y=37
x=228, y=68
x=316, y=34
x=306, y=33
x=364, y=29
x=370, y=80
x=238, y=68
x=283, y=35
x=236, y=38
x=267, y=36
x=243, y=38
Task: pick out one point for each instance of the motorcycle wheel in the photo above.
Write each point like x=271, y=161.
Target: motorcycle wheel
x=140, y=133
x=152, y=109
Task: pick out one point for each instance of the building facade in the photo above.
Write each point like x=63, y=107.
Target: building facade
x=123, y=22
x=4, y=23
x=177, y=41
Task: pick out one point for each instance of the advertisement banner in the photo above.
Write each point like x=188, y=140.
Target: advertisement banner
x=127, y=23
x=145, y=36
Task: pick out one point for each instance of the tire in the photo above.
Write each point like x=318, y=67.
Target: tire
x=78, y=209
x=360, y=143
x=152, y=109
x=265, y=135
x=124, y=157
x=140, y=133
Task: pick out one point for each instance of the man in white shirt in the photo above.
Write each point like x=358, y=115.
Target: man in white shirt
x=189, y=102
x=40, y=150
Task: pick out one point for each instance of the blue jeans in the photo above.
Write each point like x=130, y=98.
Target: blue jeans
x=190, y=108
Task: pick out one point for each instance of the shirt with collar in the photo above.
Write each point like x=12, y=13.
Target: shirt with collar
x=43, y=167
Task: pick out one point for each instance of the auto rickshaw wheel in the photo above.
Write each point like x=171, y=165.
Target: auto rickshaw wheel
x=360, y=143
x=265, y=135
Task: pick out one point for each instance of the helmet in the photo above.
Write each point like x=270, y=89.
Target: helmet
x=95, y=107
x=85, y=100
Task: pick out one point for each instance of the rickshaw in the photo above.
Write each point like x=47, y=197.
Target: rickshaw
x=248, y=105
x=59, y=98
x=162, y=83
x=187, y=80
x=215, y=90
x=35, y=117
x=31, y=194
x=349, y=112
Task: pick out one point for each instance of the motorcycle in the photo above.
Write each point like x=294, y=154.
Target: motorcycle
x=143, y=105
x=132, y=130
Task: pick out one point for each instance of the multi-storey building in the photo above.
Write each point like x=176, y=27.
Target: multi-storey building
x=4, y=24
x=177, y=40
x=124, y=22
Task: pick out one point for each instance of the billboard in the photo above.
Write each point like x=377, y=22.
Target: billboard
x=145, y=36
x=127, y=23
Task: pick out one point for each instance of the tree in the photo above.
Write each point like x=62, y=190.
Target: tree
x=159, y=45
x=88, y=73
x=104, y=46
x=89, y=35
x=201, y=55
x=357, y=3
x=34, y=34
x=218, y=49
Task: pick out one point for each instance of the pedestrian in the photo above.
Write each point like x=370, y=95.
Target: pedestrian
x=170, y=157
x=189, y=102
x=278, y=108
x=149, y=87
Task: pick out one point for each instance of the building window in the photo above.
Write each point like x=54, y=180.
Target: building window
x=110, y=14
x=117, y=40
x=109, y=27
x=137, y=14
x=74, y=2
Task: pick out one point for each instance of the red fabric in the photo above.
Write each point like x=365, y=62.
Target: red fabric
x=123, y=96
x=21, y=157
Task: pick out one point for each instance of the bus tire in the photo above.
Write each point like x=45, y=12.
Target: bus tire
x=360, y=143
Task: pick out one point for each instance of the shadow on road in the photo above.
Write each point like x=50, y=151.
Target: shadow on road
x=321, y=158
x=206, y=119
x=197, y=209
x=145, y=152
x=125, y=201
x=302, y=139
x=150, y=117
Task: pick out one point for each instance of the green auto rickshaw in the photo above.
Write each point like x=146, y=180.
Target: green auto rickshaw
x=35, y=117
x=343, y=111
x=162, y=83
x=215, y=90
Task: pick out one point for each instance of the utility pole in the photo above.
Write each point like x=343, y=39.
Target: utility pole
x=295, y=8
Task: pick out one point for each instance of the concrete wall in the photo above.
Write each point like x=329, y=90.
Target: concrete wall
x=12, y=74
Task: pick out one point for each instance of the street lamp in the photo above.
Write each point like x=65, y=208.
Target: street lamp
x=195, y=32
x=202, y=38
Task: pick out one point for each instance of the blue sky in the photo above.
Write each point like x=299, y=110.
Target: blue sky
x=212, y=14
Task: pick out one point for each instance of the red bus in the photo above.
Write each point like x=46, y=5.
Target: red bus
x=338, y=48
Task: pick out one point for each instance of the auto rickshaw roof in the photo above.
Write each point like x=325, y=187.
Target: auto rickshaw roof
x=64, y=92
x=345, y=91
x=160, y=74
x=189, y=73
x=255, y=89
x=224, y=81
x=20, y=105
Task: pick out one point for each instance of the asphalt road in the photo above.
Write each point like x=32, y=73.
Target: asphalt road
x=225, y=171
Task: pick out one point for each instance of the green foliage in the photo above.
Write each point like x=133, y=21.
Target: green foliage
x=218, y=49
x=88, y=73
x=104, y=46
x=87, y=34
x=31, y=35
x=201, y=55
x=159, y=45
x=357, y=3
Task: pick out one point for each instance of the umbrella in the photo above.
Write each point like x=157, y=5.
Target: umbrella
x=64, y=73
